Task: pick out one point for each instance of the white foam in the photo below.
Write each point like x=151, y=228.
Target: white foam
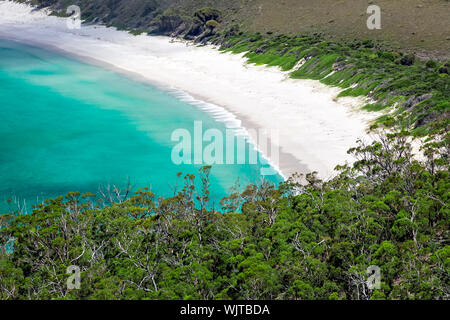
x=230, y=120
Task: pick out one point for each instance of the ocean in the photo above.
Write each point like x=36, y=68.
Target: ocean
x=67, y=125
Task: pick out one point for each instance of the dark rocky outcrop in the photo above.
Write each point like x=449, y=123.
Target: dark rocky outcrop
x=443, y=70
x=408, y=60
x=413, y=101
x=180, y=18
x=169, y=22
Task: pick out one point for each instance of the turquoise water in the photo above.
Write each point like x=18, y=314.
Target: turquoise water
x=70, y=126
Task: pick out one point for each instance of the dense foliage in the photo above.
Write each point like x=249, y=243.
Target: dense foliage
x=308, y=239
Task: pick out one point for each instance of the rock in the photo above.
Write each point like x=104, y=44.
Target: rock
x=413, y=101
x=195, y=30
x=443, y=70
x=180, y=30
x=339, y=66
x=168, y=23
x=260, y=50
x=283, y=52
x=383, y=84
x=408, y=60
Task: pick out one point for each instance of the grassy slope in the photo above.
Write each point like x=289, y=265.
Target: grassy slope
x=414, y=95
x=420, y=26
x=417, y=25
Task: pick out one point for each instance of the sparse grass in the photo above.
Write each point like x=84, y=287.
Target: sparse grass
x=285, y=62
x=136, y=32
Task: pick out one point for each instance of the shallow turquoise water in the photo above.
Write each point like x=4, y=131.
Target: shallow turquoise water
x=69, y=126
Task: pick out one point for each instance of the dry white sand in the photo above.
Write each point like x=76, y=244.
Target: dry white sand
x=315, y=129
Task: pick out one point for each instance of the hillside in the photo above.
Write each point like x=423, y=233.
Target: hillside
x=379, y=229
x=419, y=26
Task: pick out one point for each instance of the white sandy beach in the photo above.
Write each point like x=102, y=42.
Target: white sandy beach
x=315, y=129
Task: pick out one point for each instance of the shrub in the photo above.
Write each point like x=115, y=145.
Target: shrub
x=212, y=24
x=408, y=60
x=443, y=70
x=431, y=64
x=207, y=14
x=389, y=55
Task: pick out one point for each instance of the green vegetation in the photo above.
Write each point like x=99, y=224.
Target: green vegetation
x=308, y=240
x=302, y=241
x=420, y=27
x=412, y=94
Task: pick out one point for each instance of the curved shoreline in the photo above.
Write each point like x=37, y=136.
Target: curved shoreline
x=315, y=129
x=215, y=111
